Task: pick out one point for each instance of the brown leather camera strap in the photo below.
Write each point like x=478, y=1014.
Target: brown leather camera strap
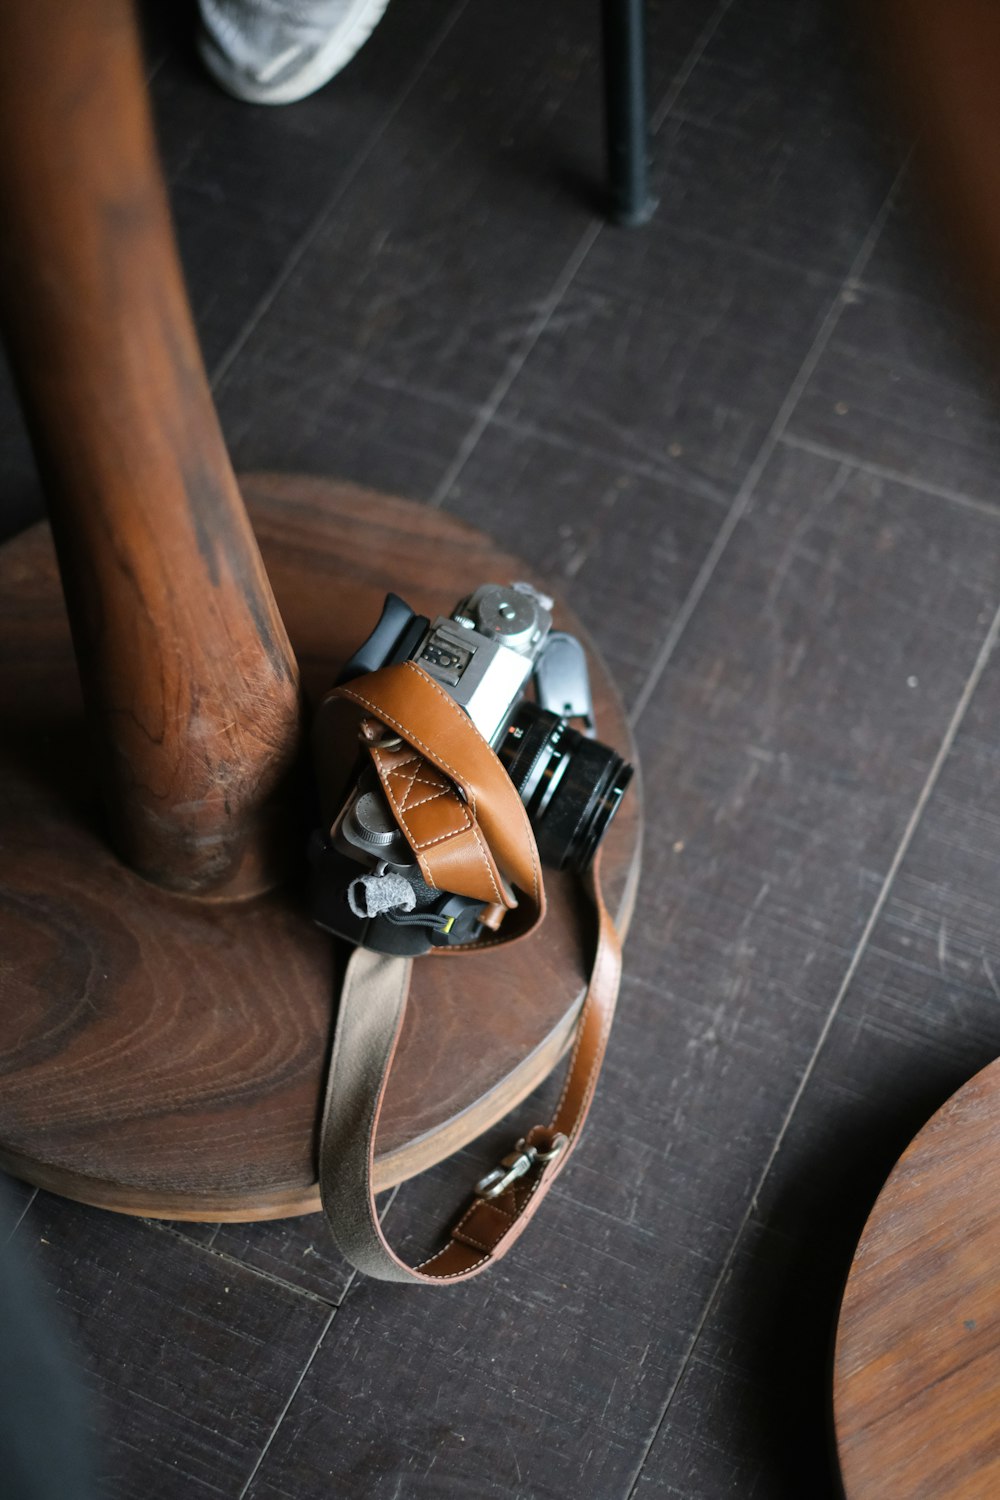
x=451, y=796
x=436, y=736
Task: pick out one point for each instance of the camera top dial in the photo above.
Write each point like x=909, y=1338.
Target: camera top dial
x=485, y=651
x=515, y=614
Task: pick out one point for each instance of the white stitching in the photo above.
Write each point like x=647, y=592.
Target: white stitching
x=606, y=954
x=468, y=1240
x=535, y=877
x=441, y=788
x=413, y=778
x=401, y=811
x=418, y=844
x=438, y=781
x=383, y=714
x=388, y=718
x=486, y=861
x=434, y=797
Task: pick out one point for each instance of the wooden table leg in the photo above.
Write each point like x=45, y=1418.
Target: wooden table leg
x=189, y=680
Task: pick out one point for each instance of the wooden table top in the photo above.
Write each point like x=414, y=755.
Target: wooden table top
x=917, y=1370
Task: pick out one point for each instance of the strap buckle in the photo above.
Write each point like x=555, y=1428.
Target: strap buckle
x=518, y=1164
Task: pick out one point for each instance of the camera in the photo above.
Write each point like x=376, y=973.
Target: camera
x=521, y=683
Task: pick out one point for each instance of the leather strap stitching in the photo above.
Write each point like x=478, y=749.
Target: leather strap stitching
x=508, y=1214
x=454, y=709
x=468, y=826
x=388, y=718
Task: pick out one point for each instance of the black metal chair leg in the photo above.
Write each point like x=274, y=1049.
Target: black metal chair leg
x=626, y=121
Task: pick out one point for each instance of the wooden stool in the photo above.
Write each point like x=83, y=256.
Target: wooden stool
x=167, y=1002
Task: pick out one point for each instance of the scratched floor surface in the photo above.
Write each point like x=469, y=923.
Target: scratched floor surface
x=756, y=447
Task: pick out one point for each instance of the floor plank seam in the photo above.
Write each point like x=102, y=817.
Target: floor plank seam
x=668, y=103
x=746, y=490
x=233, y=1260
x=287, y=1406
x=491, y=407
x=21, y=1217
x=985, y=651
x=944, y=749
x=694, y=596
x=222, y=368
x=516, y=363
x=892, y=476
x=681, y=479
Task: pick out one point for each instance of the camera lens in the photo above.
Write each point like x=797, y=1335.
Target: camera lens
x=570, y=785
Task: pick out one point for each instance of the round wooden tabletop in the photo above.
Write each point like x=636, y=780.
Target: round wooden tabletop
x=917, y=1368
x=164, y=1055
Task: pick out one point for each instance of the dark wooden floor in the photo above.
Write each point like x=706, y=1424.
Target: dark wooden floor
x=755, y=445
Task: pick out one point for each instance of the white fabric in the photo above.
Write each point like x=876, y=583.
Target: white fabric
x=277, y=51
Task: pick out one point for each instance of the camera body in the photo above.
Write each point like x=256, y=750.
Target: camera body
x=484, y=652
x=495, y=646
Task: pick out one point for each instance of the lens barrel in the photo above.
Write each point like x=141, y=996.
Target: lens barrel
x=570, y=785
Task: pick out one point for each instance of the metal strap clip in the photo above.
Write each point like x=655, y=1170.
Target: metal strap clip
x=516, y=1165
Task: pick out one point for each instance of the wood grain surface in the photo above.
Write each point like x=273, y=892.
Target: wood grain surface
x=190, y=685
x=164, y=1055
x=917, y=1378
x=414, y=297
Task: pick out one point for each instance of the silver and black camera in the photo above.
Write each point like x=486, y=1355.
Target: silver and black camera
x=520, y=682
